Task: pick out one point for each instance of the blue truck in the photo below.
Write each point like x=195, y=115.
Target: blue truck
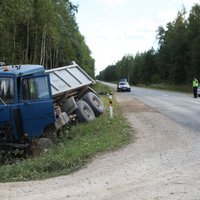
x=35, y=104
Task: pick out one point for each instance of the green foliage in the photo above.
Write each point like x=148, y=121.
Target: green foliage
x=71, y=153
x=176, y=60
x=102, y=89
x=42, y=32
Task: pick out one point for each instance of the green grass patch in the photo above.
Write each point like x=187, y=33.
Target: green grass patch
x=102, y=89
x=72, y=153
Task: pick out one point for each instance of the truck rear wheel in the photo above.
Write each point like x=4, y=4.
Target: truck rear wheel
x=84, y=112
x=94, y=102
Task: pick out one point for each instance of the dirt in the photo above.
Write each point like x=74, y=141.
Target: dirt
x=163, y=162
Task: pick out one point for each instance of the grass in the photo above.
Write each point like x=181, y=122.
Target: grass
x=84, y=141
x=102, y=89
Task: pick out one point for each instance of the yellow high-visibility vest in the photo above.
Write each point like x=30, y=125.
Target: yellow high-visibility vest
x=195, y=83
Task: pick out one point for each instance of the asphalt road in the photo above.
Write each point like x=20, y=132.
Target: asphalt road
x=180, y=107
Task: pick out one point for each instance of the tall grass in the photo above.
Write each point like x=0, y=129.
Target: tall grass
x=84, y=141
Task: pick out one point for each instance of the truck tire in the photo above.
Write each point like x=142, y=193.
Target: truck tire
x=42, y=146
x=84, y=112
x=50, y=133
x=44, y=143
x=94, y=102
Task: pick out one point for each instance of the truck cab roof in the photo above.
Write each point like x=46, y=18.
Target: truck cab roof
x=21, y=70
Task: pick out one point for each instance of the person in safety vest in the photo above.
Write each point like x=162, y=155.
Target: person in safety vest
x=195, y=85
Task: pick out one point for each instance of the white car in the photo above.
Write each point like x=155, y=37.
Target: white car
x=123, y=86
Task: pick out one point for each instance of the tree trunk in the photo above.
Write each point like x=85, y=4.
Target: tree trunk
x=27, y=44
x=14, y=44
x=43, y=47
x=50, y=57
x=35, y=48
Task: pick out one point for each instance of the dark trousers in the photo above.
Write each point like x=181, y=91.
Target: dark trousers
x=195, y=92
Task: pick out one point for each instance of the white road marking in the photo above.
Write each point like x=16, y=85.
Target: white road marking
x=165, y=95
x=195, y=102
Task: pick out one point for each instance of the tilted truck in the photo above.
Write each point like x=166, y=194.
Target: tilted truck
x=36, y=103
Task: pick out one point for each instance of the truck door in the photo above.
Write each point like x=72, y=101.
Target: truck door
x=36, y=104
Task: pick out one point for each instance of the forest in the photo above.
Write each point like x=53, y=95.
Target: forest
x=176, y=60
x=42, y=32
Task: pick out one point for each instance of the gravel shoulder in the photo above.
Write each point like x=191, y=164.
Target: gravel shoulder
x=162, y=163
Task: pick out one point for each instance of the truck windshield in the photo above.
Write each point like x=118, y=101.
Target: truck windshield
x=6, y=91
x=35, y=88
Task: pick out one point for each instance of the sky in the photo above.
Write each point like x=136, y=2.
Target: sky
x=115, y=28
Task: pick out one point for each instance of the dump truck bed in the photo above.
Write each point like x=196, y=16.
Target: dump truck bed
x=68, y=78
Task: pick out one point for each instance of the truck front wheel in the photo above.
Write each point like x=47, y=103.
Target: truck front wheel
x=42, y=146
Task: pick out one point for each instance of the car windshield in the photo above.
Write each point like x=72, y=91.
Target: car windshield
x=123, y=83
x=6, y=91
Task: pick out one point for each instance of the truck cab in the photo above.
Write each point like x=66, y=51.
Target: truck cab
x=26, y=105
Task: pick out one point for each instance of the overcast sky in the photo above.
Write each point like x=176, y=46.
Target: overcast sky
x=114, y=28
